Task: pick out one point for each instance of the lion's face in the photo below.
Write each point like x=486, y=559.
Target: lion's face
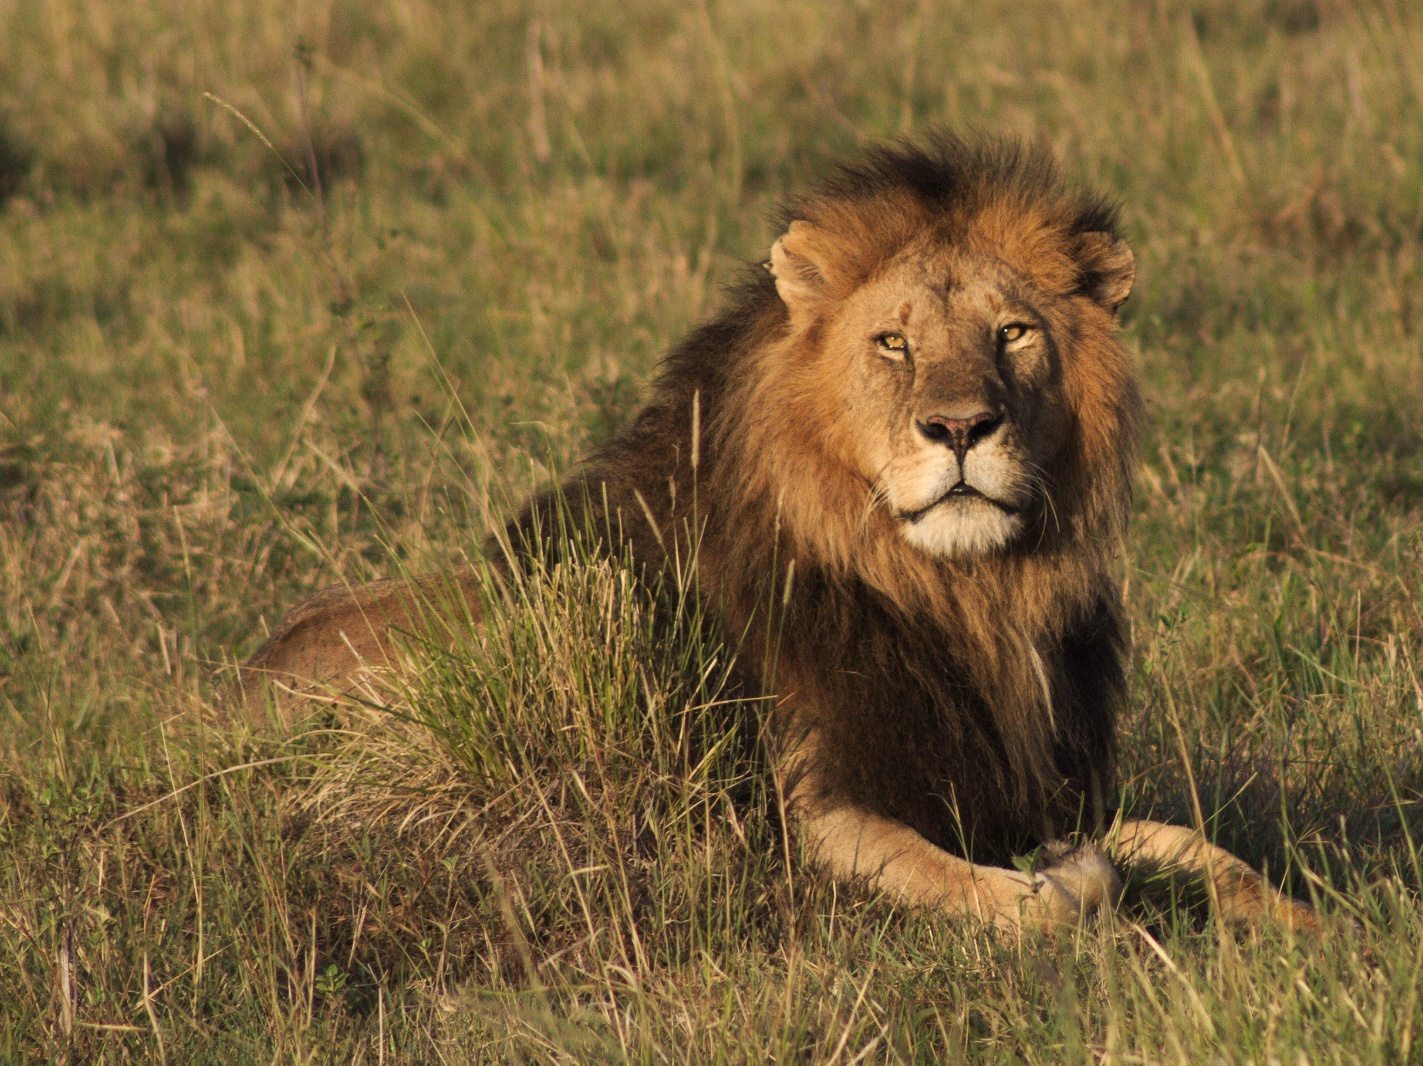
x=943, y=387
x=953, y=379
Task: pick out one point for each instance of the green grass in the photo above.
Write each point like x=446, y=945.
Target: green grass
x=228, y=378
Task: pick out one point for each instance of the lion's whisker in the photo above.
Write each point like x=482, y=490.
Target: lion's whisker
x=878, y=494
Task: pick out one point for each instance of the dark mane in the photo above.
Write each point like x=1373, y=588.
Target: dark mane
x=949, y=172
x=972, y=700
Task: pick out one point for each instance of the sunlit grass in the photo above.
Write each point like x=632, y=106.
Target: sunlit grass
x=235, y=368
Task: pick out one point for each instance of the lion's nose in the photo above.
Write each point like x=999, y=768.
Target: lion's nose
x=960, y=434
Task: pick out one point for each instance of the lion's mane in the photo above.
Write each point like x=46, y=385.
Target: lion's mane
x=972, y=699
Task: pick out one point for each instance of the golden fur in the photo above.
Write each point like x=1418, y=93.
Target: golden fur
x=905, y=451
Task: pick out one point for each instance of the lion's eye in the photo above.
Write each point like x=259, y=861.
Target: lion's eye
x=1012, y=332
x=893, y=344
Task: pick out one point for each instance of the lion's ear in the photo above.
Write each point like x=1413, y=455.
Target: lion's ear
x=1108, y=269
x=802, y=262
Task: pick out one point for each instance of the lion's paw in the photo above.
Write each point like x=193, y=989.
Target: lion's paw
x=1066, y=885
x=1029, y=901
x=1085, y=873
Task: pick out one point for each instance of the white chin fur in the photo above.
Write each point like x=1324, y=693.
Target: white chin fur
x=960, y=528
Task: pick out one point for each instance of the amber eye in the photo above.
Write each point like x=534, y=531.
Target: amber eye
x=1014, y=331
x=893, y=344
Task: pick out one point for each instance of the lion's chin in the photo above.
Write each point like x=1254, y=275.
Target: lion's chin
x=962, y=528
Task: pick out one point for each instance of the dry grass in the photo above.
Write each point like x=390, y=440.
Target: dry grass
x=235, y=367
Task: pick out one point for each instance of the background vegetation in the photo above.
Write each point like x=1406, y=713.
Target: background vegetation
x=299, y=293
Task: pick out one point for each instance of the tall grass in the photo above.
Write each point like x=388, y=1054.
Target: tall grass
x=306, y=293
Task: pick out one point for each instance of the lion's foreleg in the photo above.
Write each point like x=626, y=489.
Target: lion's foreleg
x=1240, y=892
x=849, y=843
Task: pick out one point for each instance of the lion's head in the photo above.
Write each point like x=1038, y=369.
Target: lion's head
x=950, y=356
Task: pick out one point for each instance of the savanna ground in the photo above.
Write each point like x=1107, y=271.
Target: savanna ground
x=295, y=294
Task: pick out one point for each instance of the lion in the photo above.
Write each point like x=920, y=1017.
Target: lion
x=905, y=451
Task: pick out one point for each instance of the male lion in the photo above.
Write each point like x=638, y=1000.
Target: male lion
x=905, y=450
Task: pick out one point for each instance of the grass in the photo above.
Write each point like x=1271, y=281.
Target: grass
x=302, y=294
